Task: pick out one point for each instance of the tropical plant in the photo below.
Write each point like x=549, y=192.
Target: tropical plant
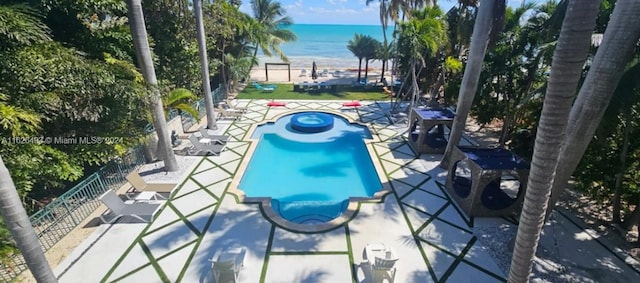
x=363, y=47
x=568, y=59
x=139, y=33
x=21, y=25
x=479, y=42
x=272, y=17
x=180, y=99
x=618, y=43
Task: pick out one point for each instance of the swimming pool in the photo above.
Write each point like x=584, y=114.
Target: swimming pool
x=310, y=176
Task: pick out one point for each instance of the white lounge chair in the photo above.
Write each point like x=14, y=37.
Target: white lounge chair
x=235, y=106
x=226, y=268
x=141, y=185
x=303, y=73
x=219, y=139
x=231, y=113
x=142, y=211
x=198, y=146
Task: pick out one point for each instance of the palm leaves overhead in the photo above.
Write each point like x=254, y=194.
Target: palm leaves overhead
x=271, y=17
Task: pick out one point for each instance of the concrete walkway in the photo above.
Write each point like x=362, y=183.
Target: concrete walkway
x=434, y=241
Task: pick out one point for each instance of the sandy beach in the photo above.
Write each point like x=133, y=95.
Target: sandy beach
x=280, y=74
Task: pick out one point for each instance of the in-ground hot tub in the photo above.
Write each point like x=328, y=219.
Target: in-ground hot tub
x=311, y=122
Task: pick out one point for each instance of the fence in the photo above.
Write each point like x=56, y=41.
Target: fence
x=67, y=211
x=188, y=121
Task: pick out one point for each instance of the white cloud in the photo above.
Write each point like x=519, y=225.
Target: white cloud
x=341, y=11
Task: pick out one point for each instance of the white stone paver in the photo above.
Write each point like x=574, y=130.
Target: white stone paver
x=378, y=223
x=235, y=225
x=308, y=268
x=106, y=245
x=285, y=241
x=433, y=241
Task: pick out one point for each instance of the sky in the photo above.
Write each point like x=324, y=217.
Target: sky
x=341, y=11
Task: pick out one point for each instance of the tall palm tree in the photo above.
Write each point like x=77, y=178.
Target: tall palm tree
x=357, y=46
x=619, y=40
x=568, y=59
x=14, y=122
x=204, y=66
x=271, y=15
x=141, y=43
x=479, y=43
x=17, y=220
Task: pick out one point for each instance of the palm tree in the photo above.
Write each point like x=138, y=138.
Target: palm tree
x=479, y=42
x=619, y=40
x=179, y=99
x=371, y=50
x=568, y=59
x=356, y=46
x=141, y=43
x=204, y=67
x=384, y=55
x=271, y=15
x=17, y=220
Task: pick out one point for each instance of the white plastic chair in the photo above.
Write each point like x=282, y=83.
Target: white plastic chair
x=226, y=268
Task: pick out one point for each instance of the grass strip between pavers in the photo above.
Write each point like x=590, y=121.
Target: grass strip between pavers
x=265, y=263
x=352, y=262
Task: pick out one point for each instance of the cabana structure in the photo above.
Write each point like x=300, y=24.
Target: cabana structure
x=487, y=181
x=427, y=134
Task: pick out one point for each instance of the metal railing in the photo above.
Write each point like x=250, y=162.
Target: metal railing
x=67, y=211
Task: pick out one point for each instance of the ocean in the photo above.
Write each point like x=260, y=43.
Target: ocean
x=324, y=44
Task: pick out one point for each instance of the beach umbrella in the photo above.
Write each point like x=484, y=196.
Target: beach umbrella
x=314, y=70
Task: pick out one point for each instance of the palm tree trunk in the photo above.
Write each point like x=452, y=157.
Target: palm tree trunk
x=568, y=60
x=206, y=85
x=479, y=43
x=366, y=69
x=384, y=63
x=616, y=50
x=617, y=205
x=359, y=68
x=17, y=220
x=141, y=43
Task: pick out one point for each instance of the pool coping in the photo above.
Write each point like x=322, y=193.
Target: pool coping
x=265, y=202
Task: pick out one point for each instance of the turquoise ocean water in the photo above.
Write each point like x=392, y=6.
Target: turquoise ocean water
x=325, y=44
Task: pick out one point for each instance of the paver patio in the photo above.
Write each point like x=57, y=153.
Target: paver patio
x=434, y=241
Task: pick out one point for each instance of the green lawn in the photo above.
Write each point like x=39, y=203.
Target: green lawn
x=285, y=91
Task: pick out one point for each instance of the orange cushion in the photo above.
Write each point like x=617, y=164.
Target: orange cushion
x=276, y=103
x=352, y=104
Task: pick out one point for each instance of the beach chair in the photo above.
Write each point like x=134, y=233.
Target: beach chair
x=229, y=113
x=337, y=74
x=262, y=88
x=325, y=73
x=219, y=139
x=199, y=147
x=235, y=106
x=226, y=268
x=142, y=211
x=140, y=185
x=303, y=73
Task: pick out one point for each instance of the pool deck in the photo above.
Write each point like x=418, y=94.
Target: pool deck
x=433, y=240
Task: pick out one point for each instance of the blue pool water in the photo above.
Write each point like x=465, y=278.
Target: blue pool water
x=310, y=176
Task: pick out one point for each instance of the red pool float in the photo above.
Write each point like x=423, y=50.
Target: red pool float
x=352, y=104
x=276, y=103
